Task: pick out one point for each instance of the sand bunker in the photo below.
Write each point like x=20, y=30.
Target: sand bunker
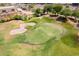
x=17, y=31
x=22, y=28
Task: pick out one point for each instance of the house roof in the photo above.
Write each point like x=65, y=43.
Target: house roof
x=7, y=7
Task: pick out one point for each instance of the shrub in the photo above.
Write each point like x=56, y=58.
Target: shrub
x=1, y=20
x=24, y=18
x=57, y=8
x=17, y=17
x=75, y=13
x=48, y=8
x=38, y=12
x=66, y=12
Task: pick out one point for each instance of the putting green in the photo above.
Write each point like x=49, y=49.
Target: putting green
x=43, y=33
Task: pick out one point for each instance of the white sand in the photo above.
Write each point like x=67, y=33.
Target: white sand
x=17, y=31
x=22, y=29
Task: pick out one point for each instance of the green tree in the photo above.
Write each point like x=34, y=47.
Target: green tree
x=57, y=8
x=53, y=8
x=17, y=17
x=47, y=8
x=66, y=12
x=76, y=13
x=38, y=12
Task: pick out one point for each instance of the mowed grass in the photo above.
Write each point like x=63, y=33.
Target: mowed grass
x=43, y=33
x=48, y=38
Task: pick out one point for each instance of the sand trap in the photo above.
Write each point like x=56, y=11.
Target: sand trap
x=17, y=31
x=21, y=29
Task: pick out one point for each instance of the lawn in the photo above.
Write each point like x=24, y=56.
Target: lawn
x=46, y=38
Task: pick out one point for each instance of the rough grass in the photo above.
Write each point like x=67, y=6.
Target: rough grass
x=54, y=43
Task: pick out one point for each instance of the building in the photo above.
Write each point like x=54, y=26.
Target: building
x=7, y=12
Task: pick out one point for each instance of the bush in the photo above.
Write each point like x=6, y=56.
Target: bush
x=17, y=17
x=48, y=8
x=57, y=8
x=1, y=20
x=24, y=18
x=75, y=13
x=38, y=12
x=66, y=12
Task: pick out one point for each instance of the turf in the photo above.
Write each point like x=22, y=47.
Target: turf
x=48, y=38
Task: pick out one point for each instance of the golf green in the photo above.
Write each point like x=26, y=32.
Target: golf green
x=43, y=33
